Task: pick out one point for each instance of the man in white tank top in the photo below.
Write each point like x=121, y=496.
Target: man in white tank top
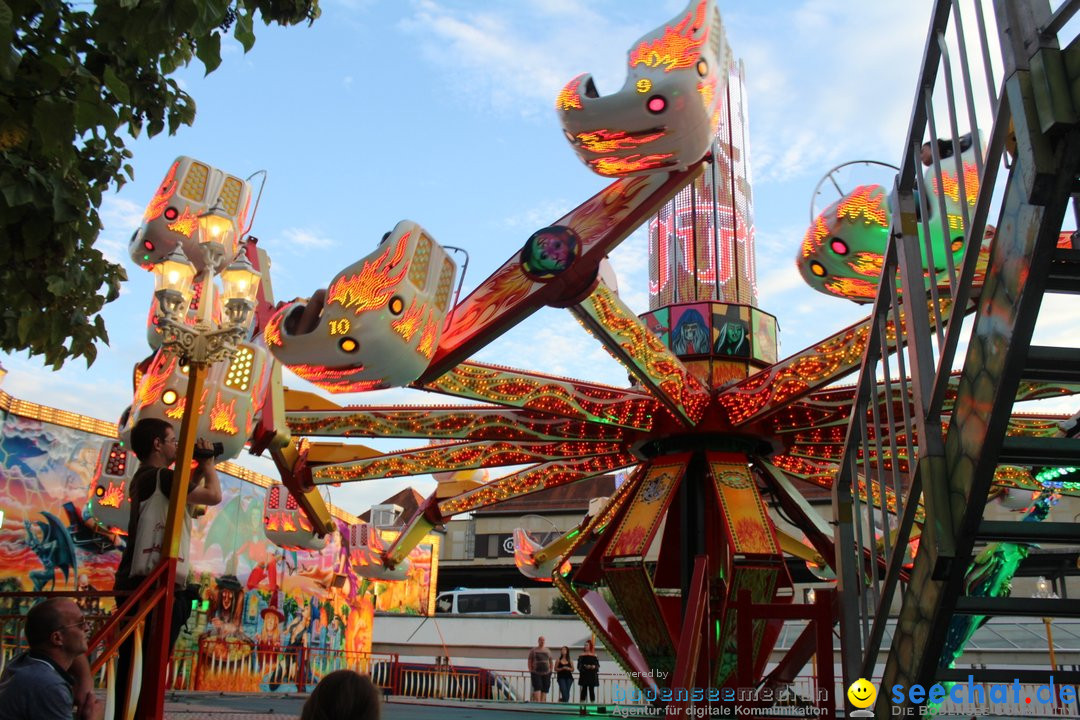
x=154, y=444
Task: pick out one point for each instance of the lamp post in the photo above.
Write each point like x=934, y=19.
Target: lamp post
x=199, y=345
x=1044, y=589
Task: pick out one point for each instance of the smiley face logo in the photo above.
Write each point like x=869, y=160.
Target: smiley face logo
x=861, y=693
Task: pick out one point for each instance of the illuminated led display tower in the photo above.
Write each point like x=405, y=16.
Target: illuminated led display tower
x=702, y=271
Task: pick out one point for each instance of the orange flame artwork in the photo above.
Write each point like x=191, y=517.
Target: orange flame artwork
x=223, y=416
x=186, y=223
x=952, y=186
x=409, y=323
x=161, y=197
x=114, y=495
x=868, y=264
x=815, y=236
x=279, y=521
x=633, y=163
x=503, y=290
x=866, y=202
x=569, y=98
x=153, y=382
x=176, y=412
x=286, y=521
x=372, y=286
x=242, y=218
x=336, y=380
x=272, y=333
x=677, y=48
x=427, y=339
x=707, y=89
x=603, y=141
x=852, y=287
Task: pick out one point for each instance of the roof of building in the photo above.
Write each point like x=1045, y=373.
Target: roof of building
x=572, y=497
x=408, y=499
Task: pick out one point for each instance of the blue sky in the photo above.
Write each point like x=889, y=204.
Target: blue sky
x=443, y=112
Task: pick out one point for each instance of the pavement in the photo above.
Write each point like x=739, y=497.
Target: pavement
x=286, y=706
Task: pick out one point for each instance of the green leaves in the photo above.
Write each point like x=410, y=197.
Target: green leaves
x=116, y=86
x=244, y=31
x=26, y=323
x=73, y=74
x=208, y=49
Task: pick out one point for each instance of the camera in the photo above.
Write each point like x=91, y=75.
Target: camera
x=216, y=451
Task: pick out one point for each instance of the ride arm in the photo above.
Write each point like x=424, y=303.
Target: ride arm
x=509, y=296
x=422, y=522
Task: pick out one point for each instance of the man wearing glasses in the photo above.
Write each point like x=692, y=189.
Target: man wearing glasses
x=37, y=685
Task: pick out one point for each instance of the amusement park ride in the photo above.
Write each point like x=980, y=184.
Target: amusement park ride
x=712, y=429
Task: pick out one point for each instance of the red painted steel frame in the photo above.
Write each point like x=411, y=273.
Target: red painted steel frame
x=688, y=652
x=822, y=616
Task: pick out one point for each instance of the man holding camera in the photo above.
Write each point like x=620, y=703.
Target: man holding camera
x=154, y=443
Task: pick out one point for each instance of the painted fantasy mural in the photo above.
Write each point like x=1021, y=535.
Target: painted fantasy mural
x=264, y=618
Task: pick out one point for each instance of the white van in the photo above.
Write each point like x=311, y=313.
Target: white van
x=487, y=601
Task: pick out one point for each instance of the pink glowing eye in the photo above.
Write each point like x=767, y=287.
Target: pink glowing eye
x=656, y=104
x=839, y=246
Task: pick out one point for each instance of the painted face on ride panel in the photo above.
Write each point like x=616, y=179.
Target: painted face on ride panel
x=553, y=248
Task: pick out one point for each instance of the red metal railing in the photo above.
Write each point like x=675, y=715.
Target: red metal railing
x=123, y=622
x=214, y=665
x=247, y=668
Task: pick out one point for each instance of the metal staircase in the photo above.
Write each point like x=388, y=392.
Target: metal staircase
x=947, y=443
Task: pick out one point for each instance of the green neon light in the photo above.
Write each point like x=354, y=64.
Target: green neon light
x=1053, y=473
x=990, y=575
x=572, y=534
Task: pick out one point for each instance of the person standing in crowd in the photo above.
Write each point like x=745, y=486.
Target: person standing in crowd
x=564, y=674
x=588, y=672
x=540, y=671
x=343, y=695
x=38, y=685
x=154, y=443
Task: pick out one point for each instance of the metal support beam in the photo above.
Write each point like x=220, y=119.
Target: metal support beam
x=1029, y=532
x=1017, y=607
x=694, y=636
x=1064, y=272
x=1035, y=201
x=1053, y=364
x=1019, y=450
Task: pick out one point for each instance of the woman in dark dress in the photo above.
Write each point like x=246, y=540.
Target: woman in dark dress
x=588, y=672
x=564, y=674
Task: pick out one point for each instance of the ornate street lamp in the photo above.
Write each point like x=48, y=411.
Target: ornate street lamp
x=239, y=284
x=172, y=285
x=209, y=339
